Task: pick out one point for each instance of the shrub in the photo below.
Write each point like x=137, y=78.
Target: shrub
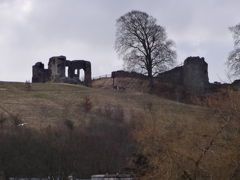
x=28, y=86
x=87, y=104
x=69, y=124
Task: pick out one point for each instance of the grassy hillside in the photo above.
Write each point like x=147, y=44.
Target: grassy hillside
x=48, y=103
x=184, y=131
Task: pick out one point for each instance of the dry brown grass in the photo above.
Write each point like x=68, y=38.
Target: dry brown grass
x=47, y=103
x=182, y=130
x=200, y=144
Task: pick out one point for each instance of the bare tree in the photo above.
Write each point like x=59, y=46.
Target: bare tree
x=143, y=44
x=210, y=150
x=234, y=56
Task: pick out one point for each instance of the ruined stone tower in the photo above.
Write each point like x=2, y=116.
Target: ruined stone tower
x=195, y=71
x=57, y=66
x=193, y=75
x=56, y=71
x=39, y=73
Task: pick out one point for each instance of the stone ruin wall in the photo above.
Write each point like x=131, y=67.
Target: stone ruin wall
x=40, y=74
x=121, y=73
x=77, y=65
x=57, y=69
x=174, y=76
x=57, y=66
x=193, y=75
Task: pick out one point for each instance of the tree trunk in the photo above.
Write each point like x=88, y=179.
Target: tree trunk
x=149, y=71
x=150, y=76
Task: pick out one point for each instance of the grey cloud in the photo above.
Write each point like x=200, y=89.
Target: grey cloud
x=84, y=29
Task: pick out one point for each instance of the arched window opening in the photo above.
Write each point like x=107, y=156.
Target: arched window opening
x=82, y=75
x=66, y=71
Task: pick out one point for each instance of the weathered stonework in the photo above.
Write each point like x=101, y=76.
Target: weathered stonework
x=193, y=75
x=77, y=65
x=39, y=73
x=121, y=73
x=57, y=69
x=174, y=76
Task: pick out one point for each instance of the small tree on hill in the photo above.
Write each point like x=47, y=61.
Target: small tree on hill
x=234, y=56
x=144, y=44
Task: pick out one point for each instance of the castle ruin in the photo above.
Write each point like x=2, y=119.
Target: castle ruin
x=62, y=70
x=193, y=75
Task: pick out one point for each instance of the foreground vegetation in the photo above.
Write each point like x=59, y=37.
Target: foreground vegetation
x=210, y=150
x=60, y=152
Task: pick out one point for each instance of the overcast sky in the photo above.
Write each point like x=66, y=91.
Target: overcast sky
x=35, y=30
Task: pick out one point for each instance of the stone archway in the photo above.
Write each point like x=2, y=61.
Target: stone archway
x=78, y=65
x=81, y=75
x=78, y=74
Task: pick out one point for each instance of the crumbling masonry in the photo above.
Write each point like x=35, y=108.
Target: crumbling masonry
x=193, y=75
x=57, y=68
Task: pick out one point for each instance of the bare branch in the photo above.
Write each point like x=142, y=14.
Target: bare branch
x=143, y=44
